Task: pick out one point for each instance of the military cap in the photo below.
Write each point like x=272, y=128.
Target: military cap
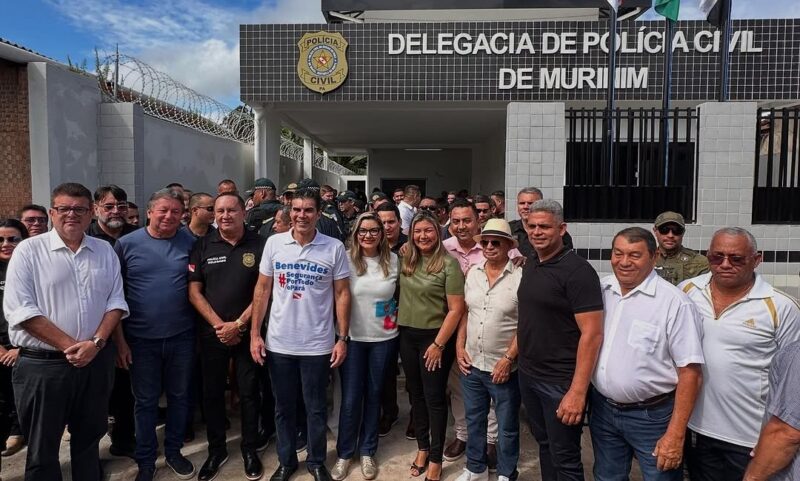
x=670, y=217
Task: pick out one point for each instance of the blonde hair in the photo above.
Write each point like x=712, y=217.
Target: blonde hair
x=413, y=256
x=357, y=253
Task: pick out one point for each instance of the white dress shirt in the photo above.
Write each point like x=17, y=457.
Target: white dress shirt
x=739, y=345
x=648, y=334
x=407, y=212
x=73, y=290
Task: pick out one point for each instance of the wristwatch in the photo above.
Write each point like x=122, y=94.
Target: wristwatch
x=242, y=326
x=99, y=342
x=346, y=339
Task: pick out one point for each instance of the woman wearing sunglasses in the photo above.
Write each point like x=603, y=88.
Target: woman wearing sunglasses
x=431, y=305
x=372, y=349
x=12, y=232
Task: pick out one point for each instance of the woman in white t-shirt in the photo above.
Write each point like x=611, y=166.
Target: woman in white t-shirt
x=373, y=345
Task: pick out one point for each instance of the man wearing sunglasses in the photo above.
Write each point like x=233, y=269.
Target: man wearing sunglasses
x=111, y=214
x=674, y=262
x=111, y=223
x=201, y=215
x=745, y=322
x=35, y=219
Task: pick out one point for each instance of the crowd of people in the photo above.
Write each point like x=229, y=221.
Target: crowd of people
x=682, y=360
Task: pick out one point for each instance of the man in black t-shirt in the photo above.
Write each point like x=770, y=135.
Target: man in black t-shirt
x=559, y=336
x=223, y=271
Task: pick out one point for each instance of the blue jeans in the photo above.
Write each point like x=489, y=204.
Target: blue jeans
x=161, y=364
x=291, y=375
x=479, y=391
x=559, y=444
x=362, y=375
x=620, y=434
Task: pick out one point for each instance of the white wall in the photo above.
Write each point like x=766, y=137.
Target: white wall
x=489, y=164
x=173, y=153
x=449, y=169
x=63, y=128
x=325, y=177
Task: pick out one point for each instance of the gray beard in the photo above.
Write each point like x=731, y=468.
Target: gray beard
x=115, y=224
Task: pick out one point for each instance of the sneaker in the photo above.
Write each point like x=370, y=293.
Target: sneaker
x=369, y=468
x=146, y=473
x=467, y=475
x=14, y=444
x=454, y=450
x=385, y=425
x=183, y=468
x=339, y=471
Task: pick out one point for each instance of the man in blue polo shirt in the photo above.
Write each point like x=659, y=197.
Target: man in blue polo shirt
x=305, y=273
x=159, y=335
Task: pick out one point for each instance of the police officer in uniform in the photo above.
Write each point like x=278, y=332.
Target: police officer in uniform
x=223, y=270
x=674, y=262
x=264, y=204
x=347, y=209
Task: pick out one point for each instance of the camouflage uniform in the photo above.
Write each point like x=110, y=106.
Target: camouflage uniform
x=684, y=264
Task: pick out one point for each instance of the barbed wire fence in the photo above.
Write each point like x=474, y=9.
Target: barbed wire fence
x=123, y=78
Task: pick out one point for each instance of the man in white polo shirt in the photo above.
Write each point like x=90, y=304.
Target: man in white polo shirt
x=745, y=321
x=648, y=372
x=306, y=274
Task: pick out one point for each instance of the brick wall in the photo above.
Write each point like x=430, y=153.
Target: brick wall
x=15, y=158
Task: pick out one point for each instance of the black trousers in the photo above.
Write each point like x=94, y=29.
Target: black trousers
x=7, y=411
x=709, y=459
x=427, y=388
x=52, y=394
x=214, y=359
x=121, y=407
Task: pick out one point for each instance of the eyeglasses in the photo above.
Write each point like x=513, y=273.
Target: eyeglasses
x=64, y=210
x=119, y=206
x=493, y=242
x=483, y=211
x=372, y=232
x=675, y=229
x=717, y=259
x=429, y=208
x=12, y=239
x=34, y=220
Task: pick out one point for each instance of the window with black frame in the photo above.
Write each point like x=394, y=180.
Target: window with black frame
x=639, y=181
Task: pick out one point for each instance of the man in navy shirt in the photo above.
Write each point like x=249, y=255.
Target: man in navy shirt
x=159, y=337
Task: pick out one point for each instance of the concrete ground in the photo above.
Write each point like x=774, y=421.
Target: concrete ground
x=395, y=453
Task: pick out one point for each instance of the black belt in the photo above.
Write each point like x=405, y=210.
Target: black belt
x=41, y=353
x=647, y=403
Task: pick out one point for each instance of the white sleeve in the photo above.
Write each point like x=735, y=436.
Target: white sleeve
x=341, y=268
x=788, y=329
x=685, y=336
x=116, y=298
x=19, y=299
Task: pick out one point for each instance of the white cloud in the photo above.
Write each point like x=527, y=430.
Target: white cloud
x=193, y=41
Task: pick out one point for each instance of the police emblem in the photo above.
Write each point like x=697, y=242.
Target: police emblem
x=322, y=66
x=249, y=259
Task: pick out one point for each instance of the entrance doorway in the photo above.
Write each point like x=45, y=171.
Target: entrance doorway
x=388, y=185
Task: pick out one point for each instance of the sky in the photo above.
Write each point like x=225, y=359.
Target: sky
x=196, y=41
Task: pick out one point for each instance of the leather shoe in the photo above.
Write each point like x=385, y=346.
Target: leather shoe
x=320, y=474
x=252, y=466
x=283, y=473
x=491, y=457
x=454, y=450
x=210, y=468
